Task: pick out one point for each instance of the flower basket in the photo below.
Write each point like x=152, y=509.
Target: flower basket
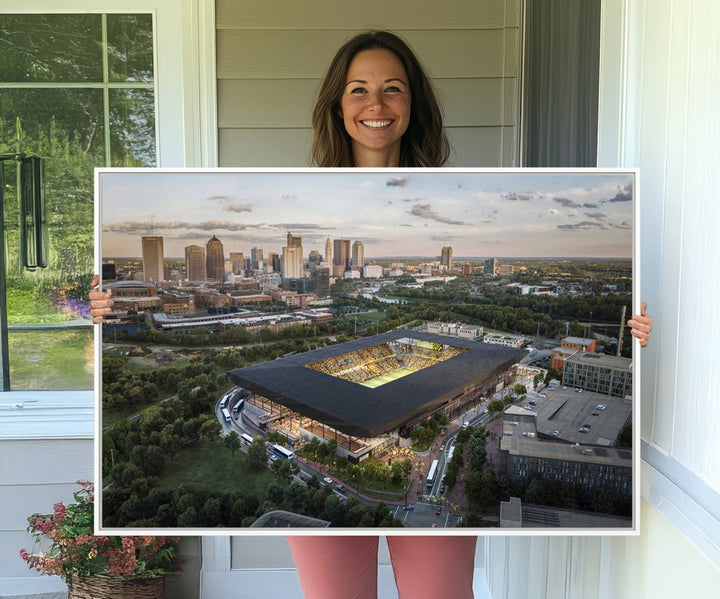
x=116, y=587
x=98, y=567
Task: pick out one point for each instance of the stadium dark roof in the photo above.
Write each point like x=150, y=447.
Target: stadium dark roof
x=364, y=412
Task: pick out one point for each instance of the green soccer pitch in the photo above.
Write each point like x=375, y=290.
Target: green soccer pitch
x=387, y=378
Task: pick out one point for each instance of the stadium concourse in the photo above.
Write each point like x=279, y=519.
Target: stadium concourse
x=368, y=394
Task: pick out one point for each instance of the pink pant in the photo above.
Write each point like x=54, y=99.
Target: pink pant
x=346, y=567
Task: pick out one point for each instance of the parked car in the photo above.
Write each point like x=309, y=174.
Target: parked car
x=437, y=511
x=542, y=395
x=601, y=406
x=582, y=430
x=556, y=433
x=327, y=480
x=409, y=507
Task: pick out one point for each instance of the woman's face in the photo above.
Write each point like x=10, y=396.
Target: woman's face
x=375, y=107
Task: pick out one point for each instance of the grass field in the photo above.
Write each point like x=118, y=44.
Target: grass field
x=387, y=378
x=212, y=466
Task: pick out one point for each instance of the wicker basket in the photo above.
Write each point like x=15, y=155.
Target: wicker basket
x=116, y=587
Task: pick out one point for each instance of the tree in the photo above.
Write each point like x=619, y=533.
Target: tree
x=535, y=492
x=256, y=455
x=496, y=406
x=211, y=429
x=519, y=389
x=232, y=441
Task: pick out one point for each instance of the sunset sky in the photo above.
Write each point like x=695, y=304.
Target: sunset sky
x=393, y=212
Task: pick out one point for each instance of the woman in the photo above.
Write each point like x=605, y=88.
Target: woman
x=377, y=108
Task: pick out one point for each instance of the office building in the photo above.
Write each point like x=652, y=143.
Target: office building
x=292, y=262
x=610, y=375
x=214, y=260
x=372, y=271
x=328, y=252
x=256, y=258
x=320, y=278
x=314, y=259
x=294, y=242
x=194, y=263
x=237, y=262
x=358, y=255
x=446, y=258
x=153, y=257
x=490, y=266
x=341, y=256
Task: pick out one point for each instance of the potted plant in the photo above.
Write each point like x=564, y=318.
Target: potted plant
x=98, y=567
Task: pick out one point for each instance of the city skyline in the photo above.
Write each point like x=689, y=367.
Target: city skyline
x=396, y=213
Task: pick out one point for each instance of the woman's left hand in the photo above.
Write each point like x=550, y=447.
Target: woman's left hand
x=641, y=325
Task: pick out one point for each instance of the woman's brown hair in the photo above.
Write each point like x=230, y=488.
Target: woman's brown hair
x=423, y=144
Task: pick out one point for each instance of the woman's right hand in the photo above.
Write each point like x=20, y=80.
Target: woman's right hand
x=100, y=302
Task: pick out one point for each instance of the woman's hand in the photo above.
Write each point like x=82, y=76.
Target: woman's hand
x=100, y=302
x=641, y=325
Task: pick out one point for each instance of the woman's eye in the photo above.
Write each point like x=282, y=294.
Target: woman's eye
x=357, y=90
x=393, y=89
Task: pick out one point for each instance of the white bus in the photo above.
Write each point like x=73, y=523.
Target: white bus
x=226, y=414
x=432, y=473
x=246, y=439
x=223, y=403
x=280, y=451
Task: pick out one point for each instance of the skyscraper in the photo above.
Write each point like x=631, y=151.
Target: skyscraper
x=237, y=260
x=292, y=264
x=341, y=256
x=214, y=259
x=194, y=263
x=294, y=242
x=328, y=252
x=490, y=266
x=256, y=257
x=358, y=255
x=446, y=258
x=320, y=278
x=153, y=258
x=273, y=261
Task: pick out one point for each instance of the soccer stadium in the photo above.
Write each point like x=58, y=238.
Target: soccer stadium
x=369, y=393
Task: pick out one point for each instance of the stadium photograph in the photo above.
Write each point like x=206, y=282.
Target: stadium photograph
x=370, y=391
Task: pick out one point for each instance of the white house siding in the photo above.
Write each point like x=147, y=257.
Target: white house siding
x=271, y=58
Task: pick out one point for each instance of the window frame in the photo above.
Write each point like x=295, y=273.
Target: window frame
x=182, y=32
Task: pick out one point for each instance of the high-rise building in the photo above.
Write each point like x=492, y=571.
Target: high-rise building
x=341, y=256
x=153, y=258
x=294, y=242
x=256, y=257
x=320, y=278
x=358, y=255
x=292, y=263
x=314, y=259
x=237, y=260
x=273, y=261
x=467, y=268
x=328, y=252
x=214, y=259
x=195, y=263
x=446, y=257
x=490, y=266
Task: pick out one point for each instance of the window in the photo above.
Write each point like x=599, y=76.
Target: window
x=78, y=91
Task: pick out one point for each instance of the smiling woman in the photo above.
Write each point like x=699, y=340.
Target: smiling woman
x=377, y=107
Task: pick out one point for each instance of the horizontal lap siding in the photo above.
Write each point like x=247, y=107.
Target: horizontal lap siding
x=271, y=60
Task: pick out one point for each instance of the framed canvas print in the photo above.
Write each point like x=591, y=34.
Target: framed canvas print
x=336, y=351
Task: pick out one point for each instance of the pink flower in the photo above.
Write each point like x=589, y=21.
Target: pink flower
x=128, y=542
x=24, y=555
x=59, y=512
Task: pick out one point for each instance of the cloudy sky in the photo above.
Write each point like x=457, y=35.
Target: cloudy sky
x=394, y=213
